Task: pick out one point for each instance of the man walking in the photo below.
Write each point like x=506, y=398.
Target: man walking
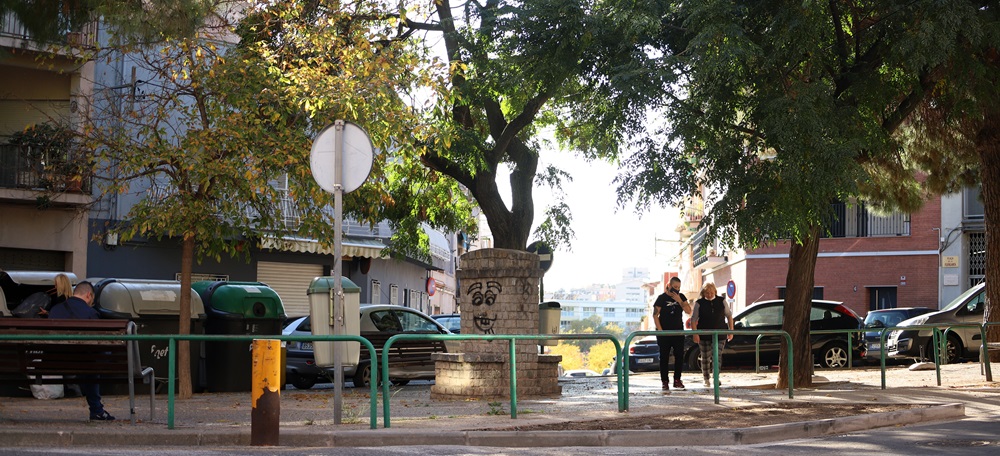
x=668, y=313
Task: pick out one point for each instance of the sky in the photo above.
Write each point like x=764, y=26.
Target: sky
x=608, y=239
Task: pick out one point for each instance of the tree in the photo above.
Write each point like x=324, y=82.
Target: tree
x=601, y=355
x=215, y=122
x=578, y=69
x=955, y=138
x=572, y=358
x=781, y=108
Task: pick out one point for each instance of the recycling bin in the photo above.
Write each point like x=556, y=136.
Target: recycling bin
x=236, y=308
x=154, y=306
x=549, y=314
x=320, y=296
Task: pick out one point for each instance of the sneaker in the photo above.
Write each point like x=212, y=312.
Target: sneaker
x=678, y=384
x=708, y=383
x=666, y=387
x=103, y=416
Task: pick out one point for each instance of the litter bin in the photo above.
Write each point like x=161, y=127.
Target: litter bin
x=154, y=306
x=319, y=310
x=236, y=308
x=549, y=314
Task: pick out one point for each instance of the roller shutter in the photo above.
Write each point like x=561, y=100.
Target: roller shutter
x=290, y=281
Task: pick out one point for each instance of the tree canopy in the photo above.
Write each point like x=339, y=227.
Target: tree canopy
x=779, y=108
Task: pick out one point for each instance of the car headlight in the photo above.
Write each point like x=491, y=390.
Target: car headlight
x=918, y=321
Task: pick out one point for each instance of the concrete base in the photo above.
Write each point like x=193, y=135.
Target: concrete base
x=487, y=376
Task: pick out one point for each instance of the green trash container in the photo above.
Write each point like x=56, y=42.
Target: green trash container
x=549, y=314
x=154, y=306
x=236, y=308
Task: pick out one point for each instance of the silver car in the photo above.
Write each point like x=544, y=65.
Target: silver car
x=408, y=360
x=963, y=342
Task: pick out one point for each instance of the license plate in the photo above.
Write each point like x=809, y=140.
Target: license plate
x=644, y=360
x=306, y=346
x=874, y=346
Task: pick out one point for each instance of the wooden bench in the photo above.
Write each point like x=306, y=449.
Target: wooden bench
x=46, y=361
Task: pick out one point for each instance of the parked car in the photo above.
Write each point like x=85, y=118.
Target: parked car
x=962, y=342
x=408, y=360
x=885, y=318
x=644, y=355
x=451, y=321
x=829, y=350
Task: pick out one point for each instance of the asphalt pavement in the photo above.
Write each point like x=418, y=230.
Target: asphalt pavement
x=219, y=420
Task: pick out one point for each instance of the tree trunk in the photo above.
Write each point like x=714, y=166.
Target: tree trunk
x=798, y=304
x=184, y=390
x=988, y=147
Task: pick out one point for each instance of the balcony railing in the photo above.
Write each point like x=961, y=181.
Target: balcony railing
x=19, y=169
x=11, y=27
x=856, y=221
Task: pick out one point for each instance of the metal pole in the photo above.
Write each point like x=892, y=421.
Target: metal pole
x=513, y=379
x=937, y=355
x=337, y=312
x=171, y=375
x=715, y=364
x=984, y=353
x=265, y=408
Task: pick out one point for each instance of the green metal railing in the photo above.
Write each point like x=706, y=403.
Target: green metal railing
x=172, y=354
x=715, y=353
x=511, y=339
x=854, y=339
x=984, y=351
x=937, y=341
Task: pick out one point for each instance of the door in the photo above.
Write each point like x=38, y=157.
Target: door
x=881, y=298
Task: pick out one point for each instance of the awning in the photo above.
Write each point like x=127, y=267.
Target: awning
x=351, y=247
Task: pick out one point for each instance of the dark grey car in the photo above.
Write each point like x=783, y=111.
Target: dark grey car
x=885, y=318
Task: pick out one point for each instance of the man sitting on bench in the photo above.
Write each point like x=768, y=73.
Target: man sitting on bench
x=79, y=307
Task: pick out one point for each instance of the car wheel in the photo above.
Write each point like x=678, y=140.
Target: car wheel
x=400, y=382
x=694, y=359
x=363, y=374
x=954, y=348
x=834, y=355
x=302, y=382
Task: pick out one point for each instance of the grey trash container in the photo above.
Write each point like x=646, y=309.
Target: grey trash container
x=549, y=315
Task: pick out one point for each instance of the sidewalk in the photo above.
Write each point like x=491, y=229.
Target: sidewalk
x=223, y=419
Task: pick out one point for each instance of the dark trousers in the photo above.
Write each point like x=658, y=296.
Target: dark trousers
x=92, y=391
x=666, y=344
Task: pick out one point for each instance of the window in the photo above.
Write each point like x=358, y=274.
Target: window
x=973, y=202
x=766, y=316
x=590, y=309
x=817, y=293
x=375, y=292
x=394, y=294
x=854, y=220
x=385, y=320
x=413, y=322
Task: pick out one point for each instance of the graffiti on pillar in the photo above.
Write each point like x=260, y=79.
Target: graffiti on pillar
x=484, y=295
x=523, y=287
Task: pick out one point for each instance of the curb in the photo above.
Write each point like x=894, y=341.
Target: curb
x=305, y=437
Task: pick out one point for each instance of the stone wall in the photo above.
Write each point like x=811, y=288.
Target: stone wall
x=486, y=377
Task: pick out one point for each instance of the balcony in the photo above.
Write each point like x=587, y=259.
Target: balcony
x=855, y=220
x=14, y=34
x=30, y=176
x=705, y=254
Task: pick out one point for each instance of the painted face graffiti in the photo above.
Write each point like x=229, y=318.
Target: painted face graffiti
x=480, y=295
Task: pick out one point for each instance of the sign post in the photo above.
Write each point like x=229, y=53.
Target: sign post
x=350, y=157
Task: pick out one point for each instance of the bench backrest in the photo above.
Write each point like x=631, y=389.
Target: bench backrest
x=38, y=358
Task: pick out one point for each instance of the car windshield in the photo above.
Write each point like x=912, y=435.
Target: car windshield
x=961, y=299
x=890, y=318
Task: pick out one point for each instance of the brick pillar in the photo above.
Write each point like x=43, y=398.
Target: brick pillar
x=499, y=295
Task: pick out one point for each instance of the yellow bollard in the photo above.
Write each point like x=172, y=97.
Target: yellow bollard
x=266, y=392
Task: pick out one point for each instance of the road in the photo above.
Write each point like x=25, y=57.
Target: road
x=971, y=436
